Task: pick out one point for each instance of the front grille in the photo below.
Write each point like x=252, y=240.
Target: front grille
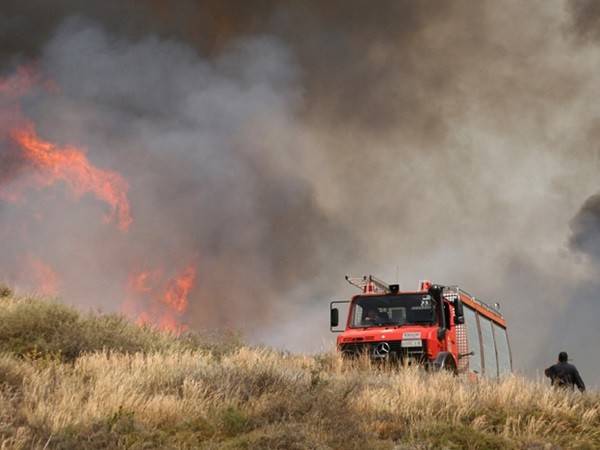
x=384, y=351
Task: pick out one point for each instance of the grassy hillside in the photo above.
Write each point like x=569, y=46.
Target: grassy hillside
x=73, y=381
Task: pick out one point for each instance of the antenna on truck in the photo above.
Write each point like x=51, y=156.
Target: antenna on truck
x=369, y=284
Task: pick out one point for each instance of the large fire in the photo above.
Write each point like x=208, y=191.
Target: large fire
x=52, y=162
x=151, y=297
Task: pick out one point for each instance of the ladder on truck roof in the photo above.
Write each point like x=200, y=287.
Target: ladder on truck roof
x=371, y=284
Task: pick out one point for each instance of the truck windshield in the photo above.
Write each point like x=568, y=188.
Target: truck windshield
x=372, y=311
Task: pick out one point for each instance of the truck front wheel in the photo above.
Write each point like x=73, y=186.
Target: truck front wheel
x=444, y=361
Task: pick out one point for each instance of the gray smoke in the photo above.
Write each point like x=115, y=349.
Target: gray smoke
x=281, y=145
x=585, y=19
x=204, y=146
x=585, y=228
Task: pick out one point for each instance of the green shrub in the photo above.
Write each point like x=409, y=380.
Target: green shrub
x=31, y=327
x=116, y=333
x=35, y=328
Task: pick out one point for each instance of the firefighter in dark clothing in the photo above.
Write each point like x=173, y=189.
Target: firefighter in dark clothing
x=565, y=375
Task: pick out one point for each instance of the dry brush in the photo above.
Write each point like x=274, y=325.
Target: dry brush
x=143, y=389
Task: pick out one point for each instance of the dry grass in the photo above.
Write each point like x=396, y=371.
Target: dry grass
x=229, y=396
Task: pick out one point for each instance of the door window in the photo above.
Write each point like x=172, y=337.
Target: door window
x=489, y=349
x=473, y=339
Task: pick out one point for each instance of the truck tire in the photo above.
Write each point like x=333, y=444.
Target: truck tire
x=444, y=361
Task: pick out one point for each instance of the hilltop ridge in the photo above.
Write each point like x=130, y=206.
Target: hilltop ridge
x=91, y=381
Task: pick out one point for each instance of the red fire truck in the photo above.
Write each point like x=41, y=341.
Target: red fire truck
x=440, y=327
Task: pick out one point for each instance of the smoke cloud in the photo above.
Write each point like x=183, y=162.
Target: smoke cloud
x=278, y=146
x=586, y=228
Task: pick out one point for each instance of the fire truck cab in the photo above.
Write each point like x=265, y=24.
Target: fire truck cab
x=440, y=327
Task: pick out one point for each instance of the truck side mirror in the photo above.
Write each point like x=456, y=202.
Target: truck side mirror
x=435, y=291
x=335, y=317
x=459, y=315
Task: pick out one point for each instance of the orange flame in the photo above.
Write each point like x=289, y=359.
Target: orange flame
x=67, y=164
x=70, y=165
x=179, y=288
x=144, y=282
x=152, y=301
